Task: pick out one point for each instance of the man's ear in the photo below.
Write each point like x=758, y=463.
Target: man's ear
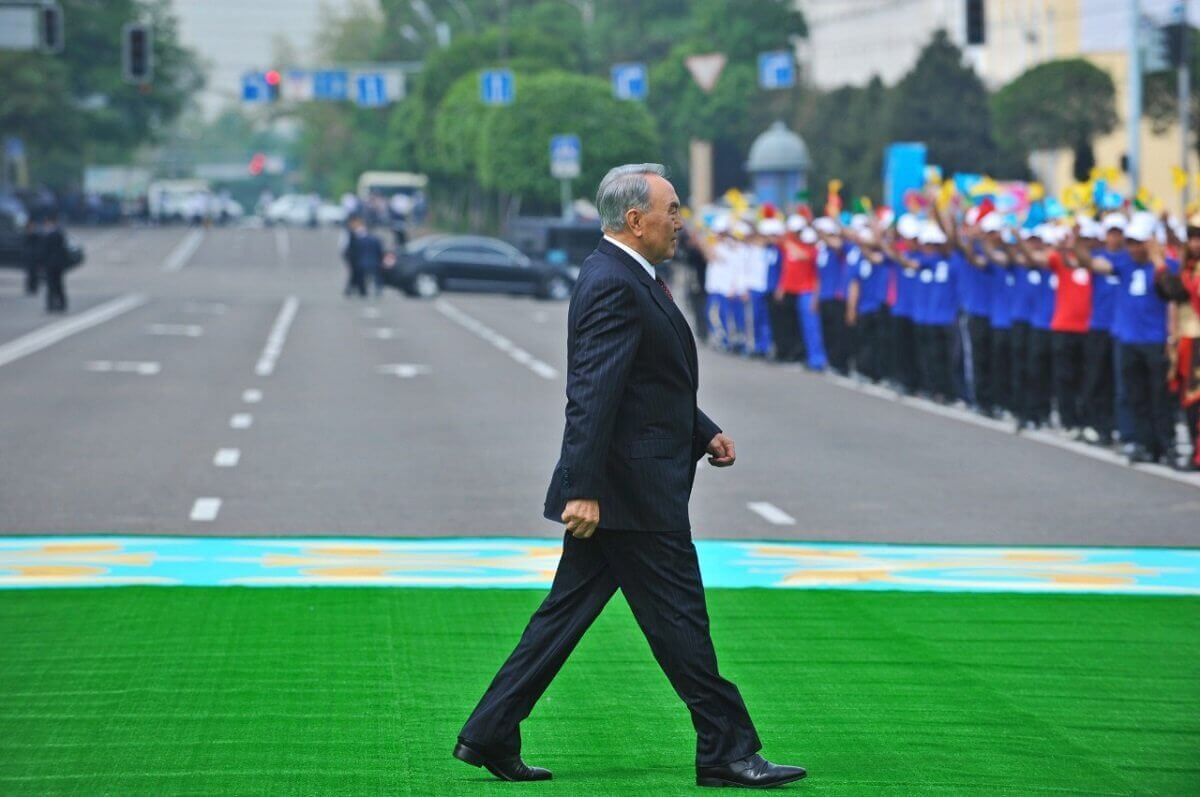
x=633, y=222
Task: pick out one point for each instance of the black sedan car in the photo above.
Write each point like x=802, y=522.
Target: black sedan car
x=437, y=263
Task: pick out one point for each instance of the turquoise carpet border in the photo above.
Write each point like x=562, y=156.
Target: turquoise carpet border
x=527, y=562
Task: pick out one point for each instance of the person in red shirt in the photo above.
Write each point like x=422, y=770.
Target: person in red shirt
x=797, y=288
x=1069, y=327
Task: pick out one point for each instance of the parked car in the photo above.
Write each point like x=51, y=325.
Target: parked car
x=303, y=209
x=437, y=263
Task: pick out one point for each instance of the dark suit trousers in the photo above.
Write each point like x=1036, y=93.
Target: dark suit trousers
x=660, y=577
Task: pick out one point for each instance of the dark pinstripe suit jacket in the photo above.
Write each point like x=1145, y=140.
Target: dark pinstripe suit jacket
x=634, y=432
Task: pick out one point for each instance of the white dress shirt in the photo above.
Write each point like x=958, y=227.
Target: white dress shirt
x=643, y=262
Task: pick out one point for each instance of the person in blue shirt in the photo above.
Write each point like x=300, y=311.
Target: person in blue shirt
x=832, y=265
x=903, y=330
x=1099, y=375
x=1140, y=330
x=866, y=306
x=939, y=272
x=976, y=301
x=1003, y=275
x=1041, y=288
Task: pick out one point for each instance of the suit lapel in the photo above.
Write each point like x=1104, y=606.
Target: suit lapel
x=674, y=315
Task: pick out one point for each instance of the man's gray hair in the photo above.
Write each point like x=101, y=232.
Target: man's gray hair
x=625, y=187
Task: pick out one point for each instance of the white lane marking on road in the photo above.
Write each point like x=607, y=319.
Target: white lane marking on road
x=124, y=367
x=493, y=337
x=205, y=510
x=403, y=370
x=275, y=340
x=283, y=245
x=207, y=308
x=227, y=457
x=241, y=420
x=771, y=513
x=183, y=251
x=251, y=396
x=382, y=333
x=53, y=333
x=177, y=330
x=371, y=312
x=1043, y=437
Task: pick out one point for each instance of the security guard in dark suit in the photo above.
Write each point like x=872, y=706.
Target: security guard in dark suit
x=632, y=440
x=56, y=259
x=33, y=257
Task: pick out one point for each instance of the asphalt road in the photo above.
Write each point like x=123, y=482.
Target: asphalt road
x=219, y=383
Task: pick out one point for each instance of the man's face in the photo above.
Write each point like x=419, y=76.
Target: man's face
x=658, y=228
x=1138, y=251
x=1114, y=239
x=1193, y=244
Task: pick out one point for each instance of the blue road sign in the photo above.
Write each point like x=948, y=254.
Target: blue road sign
x=370, y=90
x=497, y=87
x=776, y=70
x=566, y=153
x=254, y=87
x=331, y=84
x=629, y=81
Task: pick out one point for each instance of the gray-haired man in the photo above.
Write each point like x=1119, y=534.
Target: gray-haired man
x=632, y=440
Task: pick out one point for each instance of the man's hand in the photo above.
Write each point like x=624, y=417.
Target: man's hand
x=582, y=516
x=721, y=453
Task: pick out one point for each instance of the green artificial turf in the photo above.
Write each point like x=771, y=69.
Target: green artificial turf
x=213, y=691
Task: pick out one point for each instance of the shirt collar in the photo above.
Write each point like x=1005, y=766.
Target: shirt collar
x=643, y=262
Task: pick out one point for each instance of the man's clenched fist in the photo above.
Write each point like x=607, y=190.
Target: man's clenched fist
x=582, y=516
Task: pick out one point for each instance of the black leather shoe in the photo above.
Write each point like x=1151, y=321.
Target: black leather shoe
x=510, y=768
x=754, y=772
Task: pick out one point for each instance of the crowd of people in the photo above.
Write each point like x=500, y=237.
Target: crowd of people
x=1090, y=325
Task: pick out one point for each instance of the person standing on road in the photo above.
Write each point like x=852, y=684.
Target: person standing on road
x=56, y=259
x=33, y=257
x=632, y=439
x=364, y=256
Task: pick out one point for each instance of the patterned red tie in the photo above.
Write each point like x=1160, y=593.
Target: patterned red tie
x=666, y=290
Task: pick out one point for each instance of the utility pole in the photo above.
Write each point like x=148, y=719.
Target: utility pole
x=1133, y=121
x=1184, y=73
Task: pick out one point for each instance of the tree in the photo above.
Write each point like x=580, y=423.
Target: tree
x=943, y=103
x=1064, y=103
x=845, y=130
x=1162, y=94
x=514, y=146
x=74, y=108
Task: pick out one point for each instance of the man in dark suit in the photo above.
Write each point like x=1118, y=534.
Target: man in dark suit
x=633, y=437
x=56, y=259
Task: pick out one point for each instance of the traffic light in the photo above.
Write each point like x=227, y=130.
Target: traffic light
x=975, y=22
x=50, y=28
x=1176, y=35
x=138, y=53
x=272, y=78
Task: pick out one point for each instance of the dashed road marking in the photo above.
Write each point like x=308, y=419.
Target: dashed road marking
x=124, y=367
x=403, y=370
x=275, y=340
x=241, y=420
x=227, y=457
x=497, y=340
x=771, y=513
x=205, y=510
x=252, y=396
x=183, y=251
x=382, y=333
x=178, y=330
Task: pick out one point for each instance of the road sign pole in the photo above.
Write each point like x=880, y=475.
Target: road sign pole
x=1185, y=96
x=565, y=186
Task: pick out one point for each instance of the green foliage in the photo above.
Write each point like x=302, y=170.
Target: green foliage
x=744, y=28
x=942, y=102
x=74, y=108
x=513, y=155
x=1062, y=103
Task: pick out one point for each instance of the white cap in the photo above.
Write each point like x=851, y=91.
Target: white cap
x=826, y=225
x=992, y=222
x=866, y=235
x=859, y=221
x=908, y=226
x=743, y=228
x=1113, y=221
x=931, y=234
x=796, y=222
x=808, y=235
x=1141, y=227
x=771, y=226
x=720, y=224
x=972, y=216
x=1090, y=228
